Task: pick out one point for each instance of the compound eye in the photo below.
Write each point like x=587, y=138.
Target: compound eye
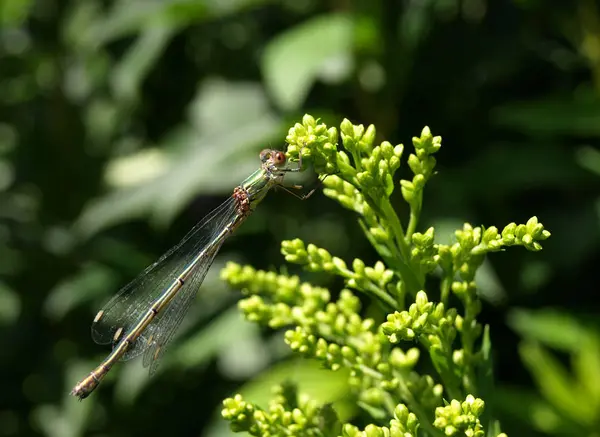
x=279, y=158
x=265, y=155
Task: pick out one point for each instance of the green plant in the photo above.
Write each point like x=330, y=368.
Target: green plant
x=403, y=396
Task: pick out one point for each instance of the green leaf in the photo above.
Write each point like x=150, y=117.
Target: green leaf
x=556, y=385
x=445, y=369
x=89, y=283
x=554, y=329
x=330, y=422
x=525, y=407
x=589, y=158
x=128, y=74
x=586, y=365
x=320, y=384
x=326, y=387
x=293, y=60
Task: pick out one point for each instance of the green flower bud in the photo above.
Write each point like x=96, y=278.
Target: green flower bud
x=365, y=179
x=374, y=431
x=343, y=158
x=308, y=120
x=347, y=130
x=358, y=266
x=332, y=135
x=408, y=190
x=459, y=288
x=339, y=263
x=473, y=405
x=419, y=181
x=422, y=301
x=349, y=430
x=415, y=164
x=380, y=235
x=366, y=142
x=458, y=357
x=387, y=150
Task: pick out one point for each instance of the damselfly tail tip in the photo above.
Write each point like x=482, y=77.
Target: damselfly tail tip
x=77, y=392
x=85, y=387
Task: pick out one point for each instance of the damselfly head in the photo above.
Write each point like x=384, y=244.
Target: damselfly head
x=275, y=157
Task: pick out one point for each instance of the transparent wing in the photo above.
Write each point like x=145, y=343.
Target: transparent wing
x=125, y=309
x=162, y=330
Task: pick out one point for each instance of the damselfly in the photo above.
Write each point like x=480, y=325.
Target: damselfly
x=144, y=315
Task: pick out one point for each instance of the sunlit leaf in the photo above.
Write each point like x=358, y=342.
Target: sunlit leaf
x=311, y=378
x=211, y=340
x=137, y=168
x=211, y=156
x=585, y=366
x=293, y=60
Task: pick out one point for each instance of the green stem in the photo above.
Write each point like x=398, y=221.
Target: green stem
x=445, y=288
x=449, y=379
x=407, y=396
x=381, y=294
x=416, y=408
x=468, y=339
x=413, y=283
x=389, y=253
x=356, y=159
x=415, y=213
x=371, y=287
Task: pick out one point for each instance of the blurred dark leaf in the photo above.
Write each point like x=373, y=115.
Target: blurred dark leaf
x=128, y=74
x=528, y=408
x=130, y=16
x=553, y=115
x=552, y=328
x=85, y=286
x=10, y=305
x=589, y=158
x=559, y=388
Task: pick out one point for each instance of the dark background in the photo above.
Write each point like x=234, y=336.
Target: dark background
x=123, y=122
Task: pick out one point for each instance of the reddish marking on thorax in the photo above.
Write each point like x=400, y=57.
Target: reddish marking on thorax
x=241, y=197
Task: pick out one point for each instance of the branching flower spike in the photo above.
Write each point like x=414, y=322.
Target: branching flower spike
x=413, y=371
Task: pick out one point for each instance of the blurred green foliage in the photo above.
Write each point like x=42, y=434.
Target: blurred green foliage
x=123, y=122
